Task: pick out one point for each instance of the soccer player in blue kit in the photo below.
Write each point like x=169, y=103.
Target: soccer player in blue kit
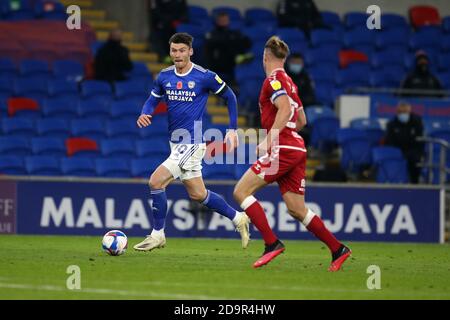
x=185, y=87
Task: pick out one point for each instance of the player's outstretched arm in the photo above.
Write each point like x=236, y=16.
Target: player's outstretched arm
x=230, y=98
x=145, y=119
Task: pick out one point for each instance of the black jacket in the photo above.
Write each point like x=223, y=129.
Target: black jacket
x=299, y=13
x=112, y=61
x=305, y=87
x=403, y=135
x=421, y=80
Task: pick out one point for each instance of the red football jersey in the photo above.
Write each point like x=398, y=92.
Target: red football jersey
x=275, y=85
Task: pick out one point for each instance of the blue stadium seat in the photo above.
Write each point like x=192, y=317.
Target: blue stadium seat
x=323, y=73
x=70, y=70
x=324, y=93
x=246, y=71
x=193, y=29
x=354, y=77
x=444, y=62
x=446, y=24
x=95, y=88
x=258, y=33
x=131, y=90
x=144, y=167
x=324, y=126
x=197, y=13
x=141, y=73
x=394, y=38
x=390, y=164
x=7, y=67
x=358, y=37
x=18, y=127
x=255, y=16
x=122, y=129
x=60, y=108
x=371, y=127
x=54, y=128
x=31, y=87
x=291, y=35
x=387, y=58
x=126, y=109
x=17, y=146
x=431, y=125
x=388, y=77
x=42, y=165
x=425, y=38
x=153, y=147
x=158, y=128
x=25, y=10
x=232, y=12
x=249, y=93
x=331, y=19
x=321, y=37
x=240, y=169
x=13, y=165
x=6, y=87
x=66, y=89
x=88, y=128
x=393, y=20
x=119, y=148
x=445, y=79
x=29, y=67
x=321, y=55
x=48, y=146
x=93, y=109
x=356, y=149
x=112, y=168
x=355, y=20
x=219, y=171
x=445, y=43
x=84, y=167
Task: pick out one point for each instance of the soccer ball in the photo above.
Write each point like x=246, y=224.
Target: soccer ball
x=115, y=243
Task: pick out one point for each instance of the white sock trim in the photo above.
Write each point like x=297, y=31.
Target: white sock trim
x=309, y=216
x=158, y=233
x=237, y=217
x=248, y=202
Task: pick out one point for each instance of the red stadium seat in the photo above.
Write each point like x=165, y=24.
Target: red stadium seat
x=76, y=145
x=347, y=57
x=424, y=16
x=21, y=104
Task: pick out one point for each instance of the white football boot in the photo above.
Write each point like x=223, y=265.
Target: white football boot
x=152, y=241
x=242, y=221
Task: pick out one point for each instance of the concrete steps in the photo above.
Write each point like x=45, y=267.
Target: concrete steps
x=145, y=57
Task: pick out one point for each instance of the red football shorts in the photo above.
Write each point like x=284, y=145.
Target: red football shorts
x=285, y=165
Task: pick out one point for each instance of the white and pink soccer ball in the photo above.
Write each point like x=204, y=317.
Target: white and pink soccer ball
x=115, y=243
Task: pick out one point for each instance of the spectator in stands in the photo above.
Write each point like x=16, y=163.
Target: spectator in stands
x=224, y=47
x=112, y=60
x=165, y=16
x=296, y=70
x=402, y=132
x=302, y=14
x=421, y=78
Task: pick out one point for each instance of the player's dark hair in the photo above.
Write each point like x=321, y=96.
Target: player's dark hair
x=277, y=47
x=182, y=37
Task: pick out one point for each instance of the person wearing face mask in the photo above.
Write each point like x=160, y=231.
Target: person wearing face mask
x=112, y=60
x=421, y=78
x=402, y=132
x=223, y=46
x=296, y=70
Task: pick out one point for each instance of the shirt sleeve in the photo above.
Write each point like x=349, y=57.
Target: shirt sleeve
x=214, y=83
x=275, y=89
x=158, y=89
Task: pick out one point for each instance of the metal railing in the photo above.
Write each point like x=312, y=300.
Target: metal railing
x=429, y=163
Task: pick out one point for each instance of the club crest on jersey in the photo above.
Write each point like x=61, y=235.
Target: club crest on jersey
x=191, y=84
x=220, y=81
x=275, y=84
x=179, y=85
x=168, y=85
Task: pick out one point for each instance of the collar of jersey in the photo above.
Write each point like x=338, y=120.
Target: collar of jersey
x=277, y=69
x=184, y=74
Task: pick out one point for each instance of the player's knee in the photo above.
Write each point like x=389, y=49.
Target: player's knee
x=155, y=183
x=197, y=195
x=298, y=213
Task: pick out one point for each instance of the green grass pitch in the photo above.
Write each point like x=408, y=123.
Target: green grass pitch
x=34, y=267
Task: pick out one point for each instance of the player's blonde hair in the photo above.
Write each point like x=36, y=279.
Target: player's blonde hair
x=277, y=47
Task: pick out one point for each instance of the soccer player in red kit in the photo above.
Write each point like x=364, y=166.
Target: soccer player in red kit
x=283, y=160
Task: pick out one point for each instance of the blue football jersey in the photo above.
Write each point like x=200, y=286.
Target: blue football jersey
x=186, y=96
